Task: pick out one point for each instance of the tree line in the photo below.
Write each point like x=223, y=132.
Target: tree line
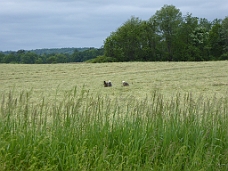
x=169, y=36
x=32, y=57
x=165, y=36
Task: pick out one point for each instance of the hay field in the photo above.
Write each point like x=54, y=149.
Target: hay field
x=52, y=80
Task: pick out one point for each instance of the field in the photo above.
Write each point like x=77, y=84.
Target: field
x=205, y=78
x=173, y=116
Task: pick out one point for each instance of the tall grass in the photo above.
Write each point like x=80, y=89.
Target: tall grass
x=92, y=132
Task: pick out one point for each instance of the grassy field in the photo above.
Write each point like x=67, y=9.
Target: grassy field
x=173, y=116
x=206, y=78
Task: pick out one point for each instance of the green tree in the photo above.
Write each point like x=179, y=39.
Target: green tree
x=224, y=37
x=90, y=54
x=112, y=46
x=28, y=58
x=10, y=58
x=39, y=60
x=81, y=56
x=75, y=57
x=203, y=22
x=2, y=55
x=215, y=42
x=168, y=20
x=125, y=44
x=149, y=40
x=183, y=44
x=19, y=54
x=200, y=40
x=131, y=38
x=61, y=58
x=52, y=59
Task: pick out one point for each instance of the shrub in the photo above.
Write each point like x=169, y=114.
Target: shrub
x=101, y=59
x=224, y=56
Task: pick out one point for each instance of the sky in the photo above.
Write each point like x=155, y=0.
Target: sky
x=37, y=24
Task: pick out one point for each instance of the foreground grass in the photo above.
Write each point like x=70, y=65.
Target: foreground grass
x=87, y=131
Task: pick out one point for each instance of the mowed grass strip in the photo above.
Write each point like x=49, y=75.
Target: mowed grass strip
x=206, y=78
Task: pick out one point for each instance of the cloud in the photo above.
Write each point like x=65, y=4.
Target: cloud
x=31, y=24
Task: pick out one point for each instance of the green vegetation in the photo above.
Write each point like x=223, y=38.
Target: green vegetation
x=69, y=51
x=173, y=116
x=93, y=132
x=58, y=51
x=49, y=56
x=169, y=36
x=101, y=59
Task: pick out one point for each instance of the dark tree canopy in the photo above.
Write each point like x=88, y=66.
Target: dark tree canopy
x=30, y=57
x=169, y=36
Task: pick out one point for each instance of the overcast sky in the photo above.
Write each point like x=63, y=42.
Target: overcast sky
x=36, y=24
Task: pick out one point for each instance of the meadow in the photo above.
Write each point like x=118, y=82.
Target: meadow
x=173, y=116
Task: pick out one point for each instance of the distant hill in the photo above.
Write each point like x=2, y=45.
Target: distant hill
x=58, y=50
x=53, y=50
